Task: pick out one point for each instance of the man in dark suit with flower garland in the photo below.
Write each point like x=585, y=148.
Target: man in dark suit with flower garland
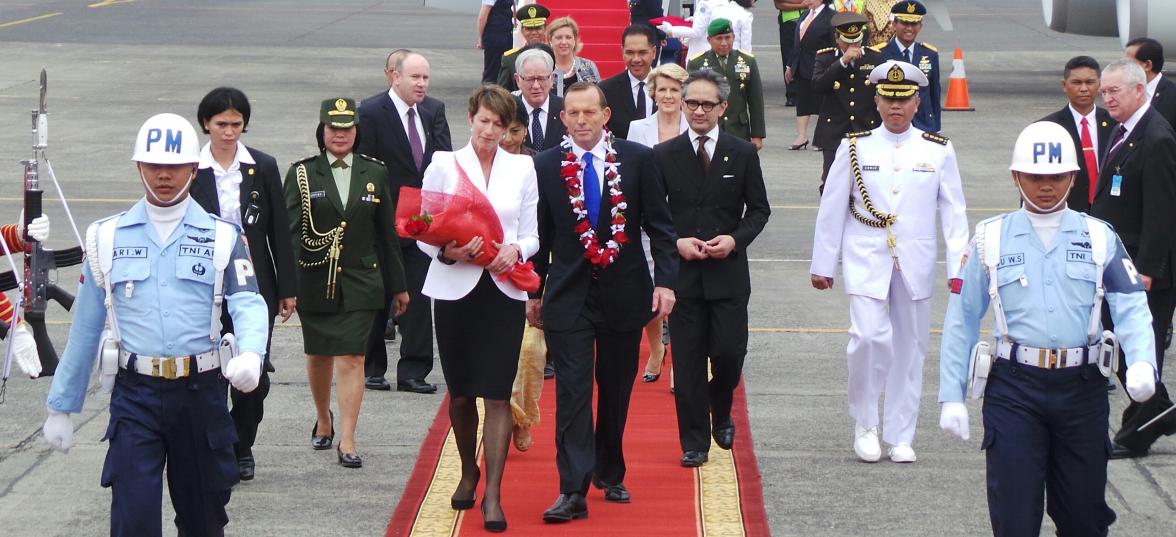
x=596, y=194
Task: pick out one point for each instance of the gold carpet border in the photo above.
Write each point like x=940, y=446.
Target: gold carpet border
x=719, y=510
x=436, y=518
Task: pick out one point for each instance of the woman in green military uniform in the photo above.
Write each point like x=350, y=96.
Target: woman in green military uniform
x=342, y=222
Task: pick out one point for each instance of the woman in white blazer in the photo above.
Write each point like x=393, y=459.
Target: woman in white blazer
x=665, y=84
x=478, y=319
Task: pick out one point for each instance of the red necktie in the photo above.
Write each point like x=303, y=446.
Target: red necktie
x=1091, y=165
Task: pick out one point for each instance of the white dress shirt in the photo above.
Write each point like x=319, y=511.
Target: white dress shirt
x=598, y=153
x=646, y=131
x=543, y=111
x=709, y=145
x=1149, y=89
x=1091, y=125
x=228, y=181
x=633, y=89
x=402, y=109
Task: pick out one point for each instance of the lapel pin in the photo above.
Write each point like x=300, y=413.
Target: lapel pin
x=1104, y=123
x=371, y=188
x=250, y=171
x=725, y=158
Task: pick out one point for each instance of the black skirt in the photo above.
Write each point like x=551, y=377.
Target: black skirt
x=808, y=102
x=478, y=338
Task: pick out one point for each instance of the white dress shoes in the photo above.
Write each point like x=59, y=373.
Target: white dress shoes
x=902, y=453
x=866, y=445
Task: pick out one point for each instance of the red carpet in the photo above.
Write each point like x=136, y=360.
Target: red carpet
x=723, y=499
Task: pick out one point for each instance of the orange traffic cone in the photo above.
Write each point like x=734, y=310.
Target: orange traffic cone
x=957, y=86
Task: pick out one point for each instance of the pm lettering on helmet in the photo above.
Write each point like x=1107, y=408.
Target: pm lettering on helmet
x=173, y=143
x=1052, y=151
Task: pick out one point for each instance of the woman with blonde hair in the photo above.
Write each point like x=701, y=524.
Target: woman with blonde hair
x=665, y=85
x=563, y=34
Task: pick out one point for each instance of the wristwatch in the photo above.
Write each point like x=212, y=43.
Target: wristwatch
x=441, y=257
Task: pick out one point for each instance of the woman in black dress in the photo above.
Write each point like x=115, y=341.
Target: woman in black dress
x=479, y=319
x=814, y=32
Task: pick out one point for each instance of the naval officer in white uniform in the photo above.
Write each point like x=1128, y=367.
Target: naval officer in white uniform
x=877, y=216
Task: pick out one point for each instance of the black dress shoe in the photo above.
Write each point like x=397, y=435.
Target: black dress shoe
x=349, y=460
x=1119, y=451
x=459, y=504
x=493, y=526
x=549, y=370
x=616, y=493
x=322, y=442
x=246, y=467
x=790, y=101
x=377, y=383
x=724, y=435
x=566, y=508
x=694, y=459
x=415, y=386
x=596, y=482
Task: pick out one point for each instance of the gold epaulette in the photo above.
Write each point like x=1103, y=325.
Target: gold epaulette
x=697, y=56
x=930, y=47
x=373, y=159
x=306, y=159
x=826, y=50
x=935, y=137
x=878, y=47
x=748, y=54
x=511, y=51
x=858, y=134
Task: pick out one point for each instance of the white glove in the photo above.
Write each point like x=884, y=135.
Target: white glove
x=24, y=350
x=953, y=419
x=244, y=371
x=59, y=430
x=1141, y=381
x=667, y=28
x=38, y=228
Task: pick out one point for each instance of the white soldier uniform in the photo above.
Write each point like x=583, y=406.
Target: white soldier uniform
x=889, y=267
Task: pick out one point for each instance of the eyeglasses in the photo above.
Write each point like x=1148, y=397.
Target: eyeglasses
x=1111, y=91
x=707, y=106
x=535, y=79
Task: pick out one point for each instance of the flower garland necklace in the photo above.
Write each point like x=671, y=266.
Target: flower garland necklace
x=572, y=172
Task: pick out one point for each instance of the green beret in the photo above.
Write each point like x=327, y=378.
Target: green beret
x=719, y=26
x=339, y=113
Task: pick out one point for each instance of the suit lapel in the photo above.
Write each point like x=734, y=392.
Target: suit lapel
x=359, y=182
x=248, y=172
x=552, y=134
x=1112, y=165
x=204, y=190
x=425, y=116
x=400, y=142
x=687, y=162
x=720, y=162
x=1106, y=127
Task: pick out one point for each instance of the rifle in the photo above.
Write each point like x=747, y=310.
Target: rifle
x=40, y=263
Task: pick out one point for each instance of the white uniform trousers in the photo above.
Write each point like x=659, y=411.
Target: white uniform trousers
x=887, y=346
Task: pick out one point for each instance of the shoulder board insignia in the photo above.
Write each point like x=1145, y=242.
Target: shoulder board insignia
x=699, y=55
x=930, y=47
x=373, y=159
x=941, y=140
x=511, y=51
x=748, y=54
x=878, y=47
x=858, y=134
x=826, y=50
x=306, y=159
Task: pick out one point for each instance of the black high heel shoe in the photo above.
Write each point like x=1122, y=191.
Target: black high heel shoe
x=349, y=460
x=459, y=504
x=320, y=443
x=494, y=526
x=798, y=147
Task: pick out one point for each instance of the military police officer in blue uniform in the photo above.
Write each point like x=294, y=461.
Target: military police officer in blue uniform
x=906, y=17
x=1045, y=269
x=152, y=273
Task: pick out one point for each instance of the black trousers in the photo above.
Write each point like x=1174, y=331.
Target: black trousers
x=492, y=59
x=590, y=348
x=829, y=156
x=706, y=329
x=1161, y=302
x=416, y=326
x=787, y=41
x=1045, y=442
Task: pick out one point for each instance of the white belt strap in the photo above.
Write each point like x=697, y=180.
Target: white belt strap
x=988, y=245
x=1098, y=254
x=222, y=252
x=100, y=245
x=1047, y=358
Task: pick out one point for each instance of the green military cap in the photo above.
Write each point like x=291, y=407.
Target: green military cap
x=339, y=113
x=719, y=26
x=851, y=27
x=533, y=16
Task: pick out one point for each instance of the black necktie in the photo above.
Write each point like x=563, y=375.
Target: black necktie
x=640, y=100
x=703, y=157
x=907, y=53
x=536, y=130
